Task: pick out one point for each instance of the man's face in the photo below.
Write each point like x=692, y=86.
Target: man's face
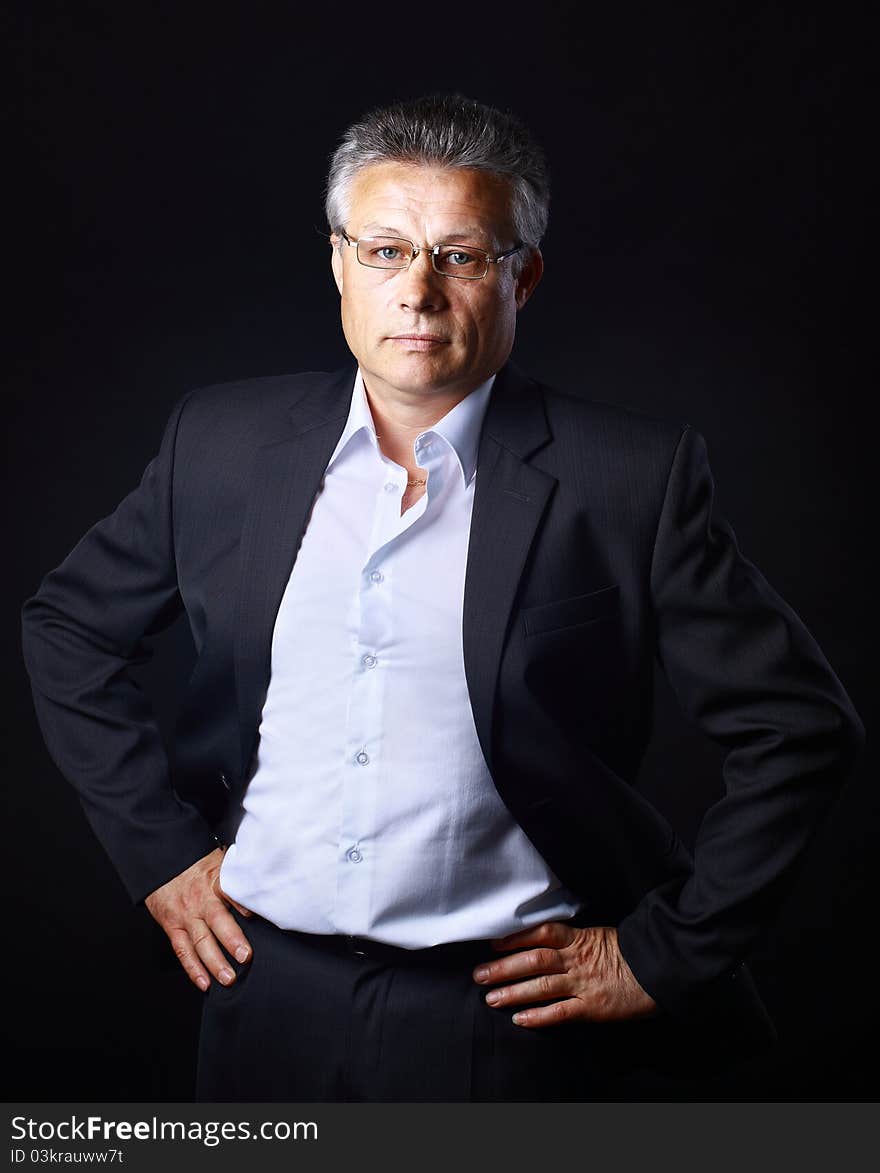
x=470, y=324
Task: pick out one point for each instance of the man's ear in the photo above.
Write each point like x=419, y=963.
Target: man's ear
x=528, y=279
x=336, y=260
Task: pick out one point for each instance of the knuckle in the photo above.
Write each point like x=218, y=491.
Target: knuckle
x=217, y=911
x=200, y=936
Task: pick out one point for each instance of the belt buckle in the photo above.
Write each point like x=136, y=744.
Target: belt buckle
x=355, y=945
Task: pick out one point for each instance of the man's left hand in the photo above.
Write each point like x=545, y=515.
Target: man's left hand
x=582, y=968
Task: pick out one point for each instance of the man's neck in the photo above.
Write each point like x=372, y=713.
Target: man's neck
x=399, y=422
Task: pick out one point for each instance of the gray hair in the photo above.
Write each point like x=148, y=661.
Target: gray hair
x=446, y=130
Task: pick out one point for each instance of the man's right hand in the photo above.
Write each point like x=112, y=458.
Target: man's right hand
x=192, y=909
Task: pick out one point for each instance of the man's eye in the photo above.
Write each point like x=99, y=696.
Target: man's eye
x=387, y=253
x=459, y=258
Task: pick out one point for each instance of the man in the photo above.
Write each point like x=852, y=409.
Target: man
x=426, y=593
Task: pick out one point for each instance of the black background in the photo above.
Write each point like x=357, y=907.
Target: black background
x=165, y=230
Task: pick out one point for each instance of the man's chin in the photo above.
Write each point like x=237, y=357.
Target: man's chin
x=419, y=373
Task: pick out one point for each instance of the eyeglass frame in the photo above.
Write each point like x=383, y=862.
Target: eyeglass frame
x=433, y=250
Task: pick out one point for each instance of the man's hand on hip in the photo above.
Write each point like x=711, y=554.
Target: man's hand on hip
x=581, y=968
x=192, y=909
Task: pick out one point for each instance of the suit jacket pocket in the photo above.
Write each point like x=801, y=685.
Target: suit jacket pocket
x=563, y=613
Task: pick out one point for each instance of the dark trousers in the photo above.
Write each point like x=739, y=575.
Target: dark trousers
x=337, y=1019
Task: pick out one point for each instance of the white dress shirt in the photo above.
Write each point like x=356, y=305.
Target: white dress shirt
x=370, y=810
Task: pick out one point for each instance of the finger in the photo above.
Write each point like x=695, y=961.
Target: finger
x=570, y=1010
x=540, y=989
x=522, y=964
x=210, y=953
x=225, y=929
x=181, y=943
x=551, y=933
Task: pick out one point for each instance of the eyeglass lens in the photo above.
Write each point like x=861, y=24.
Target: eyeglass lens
x=452, y=260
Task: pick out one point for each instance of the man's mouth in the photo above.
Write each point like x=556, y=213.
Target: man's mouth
x=419, y=341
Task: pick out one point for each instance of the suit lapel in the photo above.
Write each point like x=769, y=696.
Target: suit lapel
x=285, y=477
x=510, y=497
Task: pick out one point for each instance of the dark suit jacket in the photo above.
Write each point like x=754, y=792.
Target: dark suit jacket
x=593, y=549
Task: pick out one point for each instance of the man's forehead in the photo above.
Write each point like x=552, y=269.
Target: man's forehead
x=390, y=197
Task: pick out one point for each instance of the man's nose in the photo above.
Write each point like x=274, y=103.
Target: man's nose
x=421, y=286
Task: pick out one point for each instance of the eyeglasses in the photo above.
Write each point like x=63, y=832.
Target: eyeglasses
x=463, y=261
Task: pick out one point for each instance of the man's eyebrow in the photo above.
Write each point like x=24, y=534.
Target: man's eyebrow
x=384, y=229
x=457, y=235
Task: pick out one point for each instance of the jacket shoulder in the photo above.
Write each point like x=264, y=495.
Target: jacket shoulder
x=256, y=394
x=616, y=432
x=565, y=405
x=248, y=411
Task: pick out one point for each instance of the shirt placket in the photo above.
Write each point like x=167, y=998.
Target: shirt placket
x=372, y=635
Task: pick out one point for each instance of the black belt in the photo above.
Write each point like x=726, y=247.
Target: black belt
x=453, y=955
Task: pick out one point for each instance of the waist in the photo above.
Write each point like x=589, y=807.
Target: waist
x=449, y=955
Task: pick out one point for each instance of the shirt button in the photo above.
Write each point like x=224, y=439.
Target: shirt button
x=362, y=758
x=390, y=486
x=376, y=576
x=354, y=855
x=369, y=661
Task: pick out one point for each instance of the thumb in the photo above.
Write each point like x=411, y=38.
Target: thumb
x=239, y=907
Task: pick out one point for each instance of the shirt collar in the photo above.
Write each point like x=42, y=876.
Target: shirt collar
x=460, y=427
x=360, y=419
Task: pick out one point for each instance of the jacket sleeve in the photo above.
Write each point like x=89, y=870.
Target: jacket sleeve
x=748, y=673
x=82, y=632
